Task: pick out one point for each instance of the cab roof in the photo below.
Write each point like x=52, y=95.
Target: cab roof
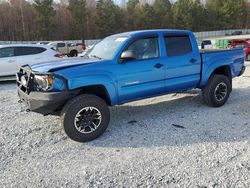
x=148, y=32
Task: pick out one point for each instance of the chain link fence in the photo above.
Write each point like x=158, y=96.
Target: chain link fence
x=199, y=35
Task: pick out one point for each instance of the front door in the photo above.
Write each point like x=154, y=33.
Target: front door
x=144, y=75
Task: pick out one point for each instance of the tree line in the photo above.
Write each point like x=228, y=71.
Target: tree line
x=83, y=19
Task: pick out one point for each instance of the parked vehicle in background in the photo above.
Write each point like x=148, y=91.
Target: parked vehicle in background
x=122, y=68
x=242, y=43
x=68, y=49
x=238, y=43
x=206, y=44
x=87, y=48
x=44, y=43
x=247, y=54
x=81, y=45
x=12, y=57
x=237, y=33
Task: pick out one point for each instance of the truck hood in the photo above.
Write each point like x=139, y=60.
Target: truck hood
x=51, y=66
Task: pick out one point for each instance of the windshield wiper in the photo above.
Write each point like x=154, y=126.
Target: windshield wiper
x=95, y=56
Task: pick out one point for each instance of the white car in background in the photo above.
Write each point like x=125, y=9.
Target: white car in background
x=206, y=44
x=13, y=56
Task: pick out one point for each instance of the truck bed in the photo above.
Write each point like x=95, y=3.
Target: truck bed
x=211, y=59
x=218, y=50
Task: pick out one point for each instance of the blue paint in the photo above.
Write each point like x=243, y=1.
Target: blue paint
x=139, y=79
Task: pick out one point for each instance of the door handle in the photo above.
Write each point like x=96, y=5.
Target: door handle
x=193, y=60
x=158, y=65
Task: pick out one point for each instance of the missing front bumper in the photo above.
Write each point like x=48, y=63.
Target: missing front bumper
x=45, y=102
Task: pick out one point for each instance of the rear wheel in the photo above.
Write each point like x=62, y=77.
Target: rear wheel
x=217, y=91
x=73, y=53
x=85, y=118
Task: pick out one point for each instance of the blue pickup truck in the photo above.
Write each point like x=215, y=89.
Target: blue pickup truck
x=122, y=68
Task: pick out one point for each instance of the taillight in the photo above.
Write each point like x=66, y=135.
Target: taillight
x=58, y=55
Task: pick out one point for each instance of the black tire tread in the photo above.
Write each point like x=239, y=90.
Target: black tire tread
x=73, y=53
x=207, y=93
x=78, y=100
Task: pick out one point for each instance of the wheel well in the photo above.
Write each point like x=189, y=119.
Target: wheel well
x=224, y=70
x=98, y=90
x=73, y=51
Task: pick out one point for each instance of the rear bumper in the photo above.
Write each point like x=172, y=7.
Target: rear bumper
x=45, y=102
x=242, y=70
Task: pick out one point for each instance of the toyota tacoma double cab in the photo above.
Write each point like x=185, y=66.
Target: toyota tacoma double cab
x=123, y=68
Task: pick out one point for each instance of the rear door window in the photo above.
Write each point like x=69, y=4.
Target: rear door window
x=6, y=52
x=178, y=45
x=19, y=51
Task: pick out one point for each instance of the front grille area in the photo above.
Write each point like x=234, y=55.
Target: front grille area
x=25, y=73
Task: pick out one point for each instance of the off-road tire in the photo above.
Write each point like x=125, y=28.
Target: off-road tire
x=209, y=92
x=73, y=53
x=72, y=108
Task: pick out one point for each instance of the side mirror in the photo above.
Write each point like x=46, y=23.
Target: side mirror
x=127, y=55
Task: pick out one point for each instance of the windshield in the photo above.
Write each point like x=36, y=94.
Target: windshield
x=107, y=48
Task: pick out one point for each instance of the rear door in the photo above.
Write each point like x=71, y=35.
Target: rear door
x=29, y=55
x=8, y=64
x=183, y=63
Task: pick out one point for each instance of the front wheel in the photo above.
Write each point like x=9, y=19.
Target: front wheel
x=85, y=118
x=217, y=91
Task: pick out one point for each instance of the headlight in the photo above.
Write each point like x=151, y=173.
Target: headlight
x=44, y=82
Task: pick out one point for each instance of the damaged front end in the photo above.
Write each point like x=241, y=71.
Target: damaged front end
x=44, y=93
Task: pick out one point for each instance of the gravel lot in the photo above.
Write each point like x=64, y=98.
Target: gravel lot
x=170, y=141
